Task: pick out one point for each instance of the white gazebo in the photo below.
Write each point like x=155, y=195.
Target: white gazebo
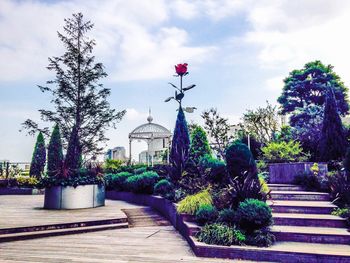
x=151, y=133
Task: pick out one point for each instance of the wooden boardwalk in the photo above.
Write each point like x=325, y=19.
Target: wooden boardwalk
x=26, y=210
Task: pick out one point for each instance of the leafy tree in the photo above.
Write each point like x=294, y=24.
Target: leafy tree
x=261, y=123
x=39, y=157
x=78, y=97
x=280, y=152
x=180, y=146
x=332, y=142
x=218, y=129
x=199, y=145
x=255, y=145
x=308, y=86
x=54, y=153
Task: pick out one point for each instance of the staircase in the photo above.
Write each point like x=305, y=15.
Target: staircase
x=302, y=216
x=144, y=217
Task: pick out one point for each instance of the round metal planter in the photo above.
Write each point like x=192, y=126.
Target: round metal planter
x=69, y=197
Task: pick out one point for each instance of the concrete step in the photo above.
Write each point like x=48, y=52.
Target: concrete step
x=299, y=196
x=323, y=235
x=285, y=187
x=59, y=232
x=303, y=207
x=313, y=220
x=145, y=217
x=63, y=225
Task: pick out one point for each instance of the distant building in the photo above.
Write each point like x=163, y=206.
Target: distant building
x=117, y=153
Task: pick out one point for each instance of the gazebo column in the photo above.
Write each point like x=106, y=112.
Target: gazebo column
x=147, y=153
x=168, y=151
x=130, y=151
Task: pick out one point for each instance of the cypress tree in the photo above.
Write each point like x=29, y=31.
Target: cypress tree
x=199, y=144
x=333, y=142
x=54, y=153
x=73, y=156
x=180, y=146
x=39, y=157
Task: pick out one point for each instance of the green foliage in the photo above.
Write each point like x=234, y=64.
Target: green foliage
x=26, y=181
x=261, y=123
x=54, y=153
x=261, y=238
x=39, y=157
x=280, y=152
x=254, y=214
x=191, y=203
x=219, y=234
x=285, y=134
x=111, y=164
x=73, y=160
x=116, y=181
x=180, y=146
x=332, y=145
x=215, y=169
x=74, y=180
x=228, y=217
x=342, y=212
x=264, y=187
x=239, y=159
x=206, y=214
x=262, y=166
x=199, y=145
x=142, y=183
x=140, y=170
x=308, y=180
x=339, y=184
x=164, y=188
x=346, y=161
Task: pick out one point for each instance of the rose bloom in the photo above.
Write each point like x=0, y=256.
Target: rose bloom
x=181, y=69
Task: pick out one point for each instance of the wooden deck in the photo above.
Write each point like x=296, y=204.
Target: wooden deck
x=26, y=210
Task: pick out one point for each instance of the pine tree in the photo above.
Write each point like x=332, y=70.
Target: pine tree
x=73, y=156
x=39, y=157
x=333, y=142
x=78, y=97
x=199, y=144
x=180, y=146
x=54, y=153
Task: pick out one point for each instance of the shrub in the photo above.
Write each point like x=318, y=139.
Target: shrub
x=307, y=180
x=342, y=212
x=279, y=152
x=112, y=165
x=339, y=184
x=261, y=238
x=140, y=170
x=219, y=234
x=239, y=159
x=216, y=168
x=199, y=146
x=191, y=203
x=164, y=188
x=264, y=187
x=54, y=153
x=24, y=181
x=206, y=214
x=116, y=181
x=253, y=214
x=142, y=183
x=39, y=157
x=227, y=217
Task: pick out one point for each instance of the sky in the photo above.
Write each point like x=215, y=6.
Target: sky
x=238, y=52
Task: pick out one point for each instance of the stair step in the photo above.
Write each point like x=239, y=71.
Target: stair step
x=63, y=225
x=192, y=228
x=314, y=220
x=285, y=187
x=299, y=195
x=311, y=234
x=303, y=207
x=58, y=232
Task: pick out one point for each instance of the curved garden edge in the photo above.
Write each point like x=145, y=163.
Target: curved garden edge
x=168, y=210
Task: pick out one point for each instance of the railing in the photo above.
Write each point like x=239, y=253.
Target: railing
x=13, y=169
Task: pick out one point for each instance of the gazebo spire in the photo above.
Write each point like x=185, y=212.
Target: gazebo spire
x=149, y=118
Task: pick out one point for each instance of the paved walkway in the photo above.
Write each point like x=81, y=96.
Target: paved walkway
x=26, y=210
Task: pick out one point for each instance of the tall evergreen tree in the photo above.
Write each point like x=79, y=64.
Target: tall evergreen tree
x=73, y=156
x=78, y=97
x=39, y=157
x=199, y=144
x=180, y=146
x=333, y=142
x=54, y=153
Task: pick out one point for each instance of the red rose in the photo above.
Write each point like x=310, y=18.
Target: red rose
x=181, y=69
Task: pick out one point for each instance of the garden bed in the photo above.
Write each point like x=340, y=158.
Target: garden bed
x=20, y=191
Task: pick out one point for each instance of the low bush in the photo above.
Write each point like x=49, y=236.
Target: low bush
x=191, y=203
x=142, y=183
x=261, y=238
x=253, y=214
x=227, y=217
x=116, y=181
x=279, y=152
x=140, y=170
x=206, y=214
x=339, y=184
x=342, y=212
x=25, y=181
x=219, y=234
x=216, y=169
x=165, y=189
x=307, y=180
x=262, y=180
